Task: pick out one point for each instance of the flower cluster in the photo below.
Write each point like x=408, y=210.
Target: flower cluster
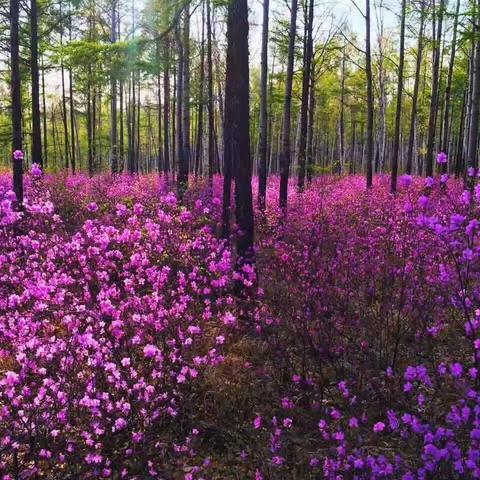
x=108, y=328
x=126, y=351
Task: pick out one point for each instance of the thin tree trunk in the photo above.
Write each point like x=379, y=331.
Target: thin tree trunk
x=432, y=122
x=416, y=86
x=311, y=125
x=199, y=142
x=398, y=113
x=211, y=125
x=459, y=159
x=285, y=154
x=342, y=113
x=64, y=98
x=16, y=95
x=307, y=63
x=36, y=121
x=448, y=88
x=263, y=140
x=370, y=100
x=72, y=107
x=472, y=159
x=113, y=101
x=44, y=115
x=166, y=109
x=159, y=112
x=182, y=179
x=186, y=95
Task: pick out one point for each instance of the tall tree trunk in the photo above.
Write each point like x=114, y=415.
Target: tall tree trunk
x=36, y=121
x=432, y=122
x=199, y=142
x=182, y=179
x=113, y=101
x=159, y=112
x=398, y=113
x=370, y=100
x=472, y=159
x=186, y=94
x=91, y=166
x=16, y=95
x=139, y=111
x=311, y=125
x=237, y=126
x=448, y=88
x=307, y=63
x=44, y=115
x=342, y=113
x=122, y=127
x=459, y=158
x=166, y=109
x=72, y=107
x=211, y=124
x=416, y=87
x=285, y=154
x=64, y=97
x=263, y=140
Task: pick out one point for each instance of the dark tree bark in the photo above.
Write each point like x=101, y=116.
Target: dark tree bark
x=113, y=101
x=186, y=94
x=263, y=140
x=459, y=157
x=237, y=125
x=432, y=121
x=211, y=124
x=34, y=69
x=138, y=138
x=342, y=113
x=398, y=113
x=416, y=87
x=285, y=154
x=159, y=112
x=182, y=179
x=307, y=64
x=472, y=159
x=199, y=142
x=166, y=109
x=370, y=100
x=448, y=87
x=72, y=105
x=16, y=95
x=44, y=115
x=64, y=96
x=311, y=125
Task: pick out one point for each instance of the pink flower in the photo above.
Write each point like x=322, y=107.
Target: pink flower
x=257, y=422
x=229, y=319
x=379, y=427
x=120, y=423
x=150, y=351
x=92, y=207
x=11, y=378
x=442, y=158
x=429, y=182
x=18, y=155
x=36, y=170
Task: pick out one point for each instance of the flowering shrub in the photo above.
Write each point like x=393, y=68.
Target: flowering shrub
x=104, y=335
x=124, y=352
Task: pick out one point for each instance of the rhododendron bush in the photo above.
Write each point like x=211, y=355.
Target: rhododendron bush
x=126, y=351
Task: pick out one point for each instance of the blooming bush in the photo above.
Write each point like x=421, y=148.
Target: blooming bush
x=125, y=353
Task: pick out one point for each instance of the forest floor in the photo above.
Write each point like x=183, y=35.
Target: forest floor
x=126, y=351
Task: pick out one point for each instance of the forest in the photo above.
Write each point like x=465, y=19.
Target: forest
x=239, y=239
